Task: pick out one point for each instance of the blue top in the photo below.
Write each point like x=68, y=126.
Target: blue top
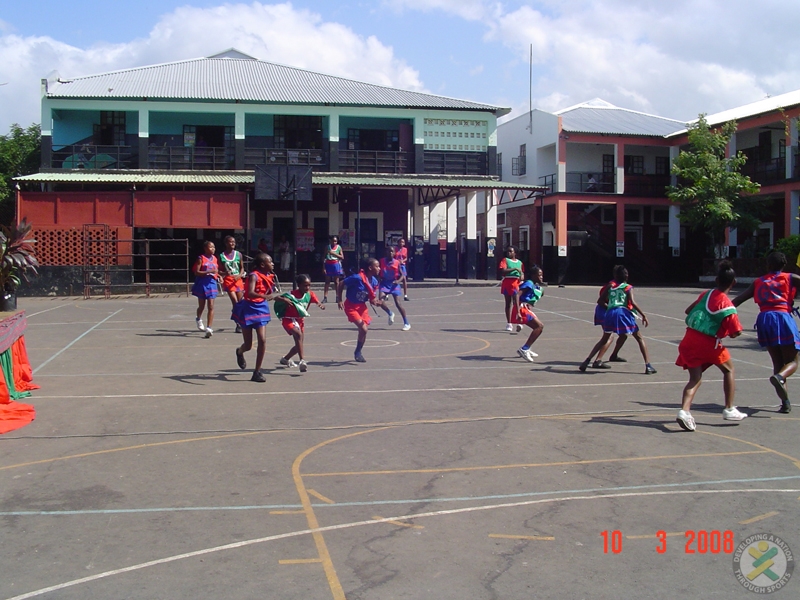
x=356, y=290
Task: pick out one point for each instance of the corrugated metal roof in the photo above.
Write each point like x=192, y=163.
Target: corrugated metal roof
x=90, y=176
x=230, y=78
x=248, y=178
x=598, y=116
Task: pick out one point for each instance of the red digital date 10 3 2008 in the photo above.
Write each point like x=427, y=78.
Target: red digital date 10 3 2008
x=697, y=542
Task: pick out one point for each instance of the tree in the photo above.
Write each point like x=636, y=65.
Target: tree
x=20, y=154
x=713, y=194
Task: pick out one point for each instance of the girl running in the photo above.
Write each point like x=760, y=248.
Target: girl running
x=777, y=332
x=401, y=254
x=292, y=308
x=252, y=312
x=529, y=293
x=512, y=271
x=233, y=272
x=205, y=287
x=360, y=289
x=333, y=266
x=390, y=286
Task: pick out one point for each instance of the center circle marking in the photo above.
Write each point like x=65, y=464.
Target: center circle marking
x=375, y=343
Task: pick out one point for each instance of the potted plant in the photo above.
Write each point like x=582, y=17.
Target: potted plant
x=17, y=257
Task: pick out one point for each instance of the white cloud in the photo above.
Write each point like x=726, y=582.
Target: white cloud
x=275, y=33
x=472, y=10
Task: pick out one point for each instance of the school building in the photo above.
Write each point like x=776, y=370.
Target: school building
x=140, y=166
x=606, y=169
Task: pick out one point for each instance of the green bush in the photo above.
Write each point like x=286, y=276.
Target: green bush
x=790, y=246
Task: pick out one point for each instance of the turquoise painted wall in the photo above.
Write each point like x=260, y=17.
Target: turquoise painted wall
x=258, y=125
x=73, y=126
x=346, y=123
x=162, y=123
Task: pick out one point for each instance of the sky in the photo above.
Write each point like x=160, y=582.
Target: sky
x=675, y=58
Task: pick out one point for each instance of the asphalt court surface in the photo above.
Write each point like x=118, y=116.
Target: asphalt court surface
x=444, y=467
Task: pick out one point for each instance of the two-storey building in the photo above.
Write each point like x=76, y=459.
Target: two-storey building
x=134, y=158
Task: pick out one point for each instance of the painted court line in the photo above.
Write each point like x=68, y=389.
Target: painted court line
x=540, y=538
x=319, y=530
x=76, y=340
x=759, y=518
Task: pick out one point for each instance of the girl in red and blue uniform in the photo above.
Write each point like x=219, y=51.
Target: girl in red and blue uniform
x=401, y=254
x=620, y=317
x=359, y=288
x=599, y=319
x=530, y=292
x=777, y=332
x=252, y=312
x=205, y=288
x=391, y=278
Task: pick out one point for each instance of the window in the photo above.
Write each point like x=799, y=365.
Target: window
x=501, y=218
x=634, y=165
x=608, y=215
x=499, y=164
x=634, y=215
x=608, y=164
x=519, y=164
x=522, y=150
x=297, y=132
x=508, y=239
x=659, y=216
x=111, y=130
x=524, y=238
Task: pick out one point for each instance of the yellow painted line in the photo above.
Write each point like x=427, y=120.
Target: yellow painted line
x=398, y=523
x=319, y=496
x=287, y=512
x=311, y=517
x=781, y=454
x=299, y=561
x=759, y=518
x=650, y=537
x=538, y=538
x=531, y=465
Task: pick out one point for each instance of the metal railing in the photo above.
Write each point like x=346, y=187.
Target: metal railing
x=550, y=182
x=591, y=183
x=375, y=161
x=651, y=186
x=765, y=171
x=456, y=163
x=190, y=158
x=105, y=267
x=254, y=157
x=91, y=156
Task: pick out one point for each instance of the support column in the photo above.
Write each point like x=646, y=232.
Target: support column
x=787, y=215
x=452, y=237
x=471, y=200
x=675, y=229
x=733, y=240
x=561, y=160
x=238, y=139
x=794, y=212
x=333, y=142
x=791, y=143
x=419, y=145
x=144, y=138
x=562, y=260
x=334, y=216
x=491, y=235
x=619, y=164
x=620, y=229
x=417, y=246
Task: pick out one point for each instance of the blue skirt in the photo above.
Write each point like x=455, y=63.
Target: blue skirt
x=777, y=328
x=333, y=269
x=599, y=315
x=205, y=287
x=248, y=314
x=620, y=320
x=391, y=288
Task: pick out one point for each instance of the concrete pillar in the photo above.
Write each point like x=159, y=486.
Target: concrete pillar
x=471, y=204
x=794, y=212
x=733, y=239
x=452, y=236
x=791, y=143
x=620, y=229
x=144, y=138
x=619, y=165
x=416, y=250
x=238, y=138
x=333, y=142
x=334, y=216
x=675, y=229
x=491, y=235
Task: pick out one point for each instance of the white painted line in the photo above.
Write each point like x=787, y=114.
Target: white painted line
x=75, y=341
x=44, y=311
x=438, y=513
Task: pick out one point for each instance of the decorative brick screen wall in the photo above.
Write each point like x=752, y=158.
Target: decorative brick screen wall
x=66, y=247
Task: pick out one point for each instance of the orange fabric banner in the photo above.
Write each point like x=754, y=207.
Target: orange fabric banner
x=23, y=374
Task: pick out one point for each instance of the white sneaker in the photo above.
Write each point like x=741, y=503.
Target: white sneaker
x=509, y=327
x=532, y=353
x=686, y=420
x=200, y=325
x=391, y=318
x=406, y=326
x=209, y=332
x=526, y=354
x=303, y=366
x=288, y=363
x=733, y=414
x=519, y=327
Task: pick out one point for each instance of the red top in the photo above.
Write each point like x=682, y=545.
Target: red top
x=264, y=285
x=401, y=254
x=774, y=291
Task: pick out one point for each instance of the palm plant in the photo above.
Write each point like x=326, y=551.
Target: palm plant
x=17, y=256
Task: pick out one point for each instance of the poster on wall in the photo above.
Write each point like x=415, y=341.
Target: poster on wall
x=305, y=240
x=391, y=237
x=347, y=239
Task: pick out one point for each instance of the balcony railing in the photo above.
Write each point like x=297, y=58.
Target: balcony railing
x=591, y=183
x=373, y=161
x=456, y=163
x=281, y=156
x=90, y=156
x=550, y=182
x=190, y=158
x=765, y=171
x=651, y=186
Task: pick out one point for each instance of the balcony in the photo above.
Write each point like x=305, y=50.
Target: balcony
x=281, y=156
x=375, y=161
x=456, y=163
x=190, y=158
x=650, y=186
x=768, y=171
x=89, y=156
x=591, y=183
x=550, y=182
